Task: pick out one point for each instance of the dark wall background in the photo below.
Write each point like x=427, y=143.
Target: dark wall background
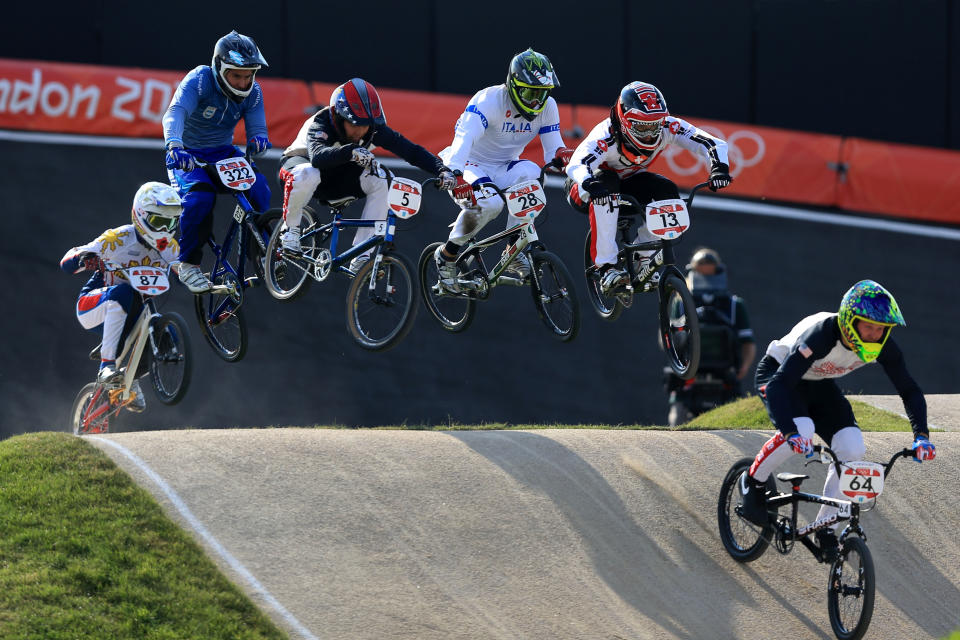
x=303, y=369
x=881, y=69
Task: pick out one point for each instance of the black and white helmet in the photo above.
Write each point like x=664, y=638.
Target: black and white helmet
x=236, y=51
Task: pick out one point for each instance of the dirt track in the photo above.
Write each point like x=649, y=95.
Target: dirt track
x=536, y=534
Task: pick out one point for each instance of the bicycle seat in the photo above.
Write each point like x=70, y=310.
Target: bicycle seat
x=337, y=203
x=792, y=478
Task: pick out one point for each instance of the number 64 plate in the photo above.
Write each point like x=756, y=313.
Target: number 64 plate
x=861, y=481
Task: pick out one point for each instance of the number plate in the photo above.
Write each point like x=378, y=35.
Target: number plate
x=668, y=218
x=526, y=199
x=861, y=481
x=150, y=281
x=236, y=173
x=404, y=197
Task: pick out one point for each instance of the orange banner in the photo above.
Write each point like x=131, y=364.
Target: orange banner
x=766, y=163
x=901, y=180
x=95, y=100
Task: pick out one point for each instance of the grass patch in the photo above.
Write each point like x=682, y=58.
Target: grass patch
x=749, y=413
x=85, y=553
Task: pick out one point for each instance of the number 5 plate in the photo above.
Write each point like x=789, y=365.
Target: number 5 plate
x=404, y=197
x=668, y=218
x=236, y=173
x=150, y=281
x=861, y=481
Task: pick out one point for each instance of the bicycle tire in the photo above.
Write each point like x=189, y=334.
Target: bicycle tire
x=607, y=307
x=551, y=286
x=454, y=312
x=288, y=278
x=81, y=409
x=743, y=540
x=220, y=334
x=380, y=319
x=679, y=329
x=172, y=339
x=857, y=594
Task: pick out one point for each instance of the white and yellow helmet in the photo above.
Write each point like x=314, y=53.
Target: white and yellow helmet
x=156, y=214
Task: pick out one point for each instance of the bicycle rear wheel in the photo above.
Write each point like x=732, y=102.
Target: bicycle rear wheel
x=454, y=311
x=288, y=277
x=554, y=295
x=851, y=590
x=380, y=317
x=743, y=540
x=679, y=327
x=91, y=411
x=222, y=323
x=171, y=364
x=607, y=307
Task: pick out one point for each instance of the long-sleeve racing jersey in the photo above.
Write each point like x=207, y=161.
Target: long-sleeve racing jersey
x=599, y=151
x=201, y=116
x=814, y=350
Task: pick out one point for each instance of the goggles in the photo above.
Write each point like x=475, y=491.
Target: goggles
x=159, y=222
x=645, y=131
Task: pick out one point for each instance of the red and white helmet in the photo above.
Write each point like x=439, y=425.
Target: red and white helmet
x=156, y=214
x=640, y=112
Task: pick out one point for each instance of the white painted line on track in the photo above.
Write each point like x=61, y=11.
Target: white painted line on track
x=703, y=202
x=202, y=531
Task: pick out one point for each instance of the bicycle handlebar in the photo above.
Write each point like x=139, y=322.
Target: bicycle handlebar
x=903, y=453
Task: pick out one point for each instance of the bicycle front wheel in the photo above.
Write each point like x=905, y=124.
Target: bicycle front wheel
x=91, y=411
x=851, y=590
x=288, y=277
x=223, y=325
x=607, y=307
x=379, y=316
x=679, y=327
x=171, y=362
x=554, y=295
x=454, y=311
x=743, y=540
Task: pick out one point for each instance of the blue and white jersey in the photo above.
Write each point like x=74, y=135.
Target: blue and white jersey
x=491, y=131
x=201, y=116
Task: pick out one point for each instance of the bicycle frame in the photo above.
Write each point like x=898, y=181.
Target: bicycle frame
x=384, y=232
x=132, y=351
x=527, y=234
x=664, y=260
x=788, y=530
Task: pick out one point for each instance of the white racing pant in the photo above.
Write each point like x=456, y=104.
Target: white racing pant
x=603, y=227
x=489, y=203
x=304, y=180
x=95, y=308
x=847, y=443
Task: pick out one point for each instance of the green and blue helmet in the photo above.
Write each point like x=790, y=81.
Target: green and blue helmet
x=868, y=300
x=529, y=82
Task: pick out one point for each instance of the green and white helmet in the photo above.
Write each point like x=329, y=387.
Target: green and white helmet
x=529, y=82
x=868, y=300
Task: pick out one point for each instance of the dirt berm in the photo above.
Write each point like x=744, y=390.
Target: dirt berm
x=534, y=534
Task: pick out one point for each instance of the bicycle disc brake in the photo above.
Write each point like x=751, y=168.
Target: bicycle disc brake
x=322, y=264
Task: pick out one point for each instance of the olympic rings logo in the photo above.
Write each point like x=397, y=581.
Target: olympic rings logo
x=739, y=145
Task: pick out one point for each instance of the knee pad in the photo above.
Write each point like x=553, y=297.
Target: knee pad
x=848, y=444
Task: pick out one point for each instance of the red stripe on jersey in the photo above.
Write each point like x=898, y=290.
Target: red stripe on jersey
x=89, y=301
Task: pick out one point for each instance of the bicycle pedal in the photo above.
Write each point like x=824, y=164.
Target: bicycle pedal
x=252, y=281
